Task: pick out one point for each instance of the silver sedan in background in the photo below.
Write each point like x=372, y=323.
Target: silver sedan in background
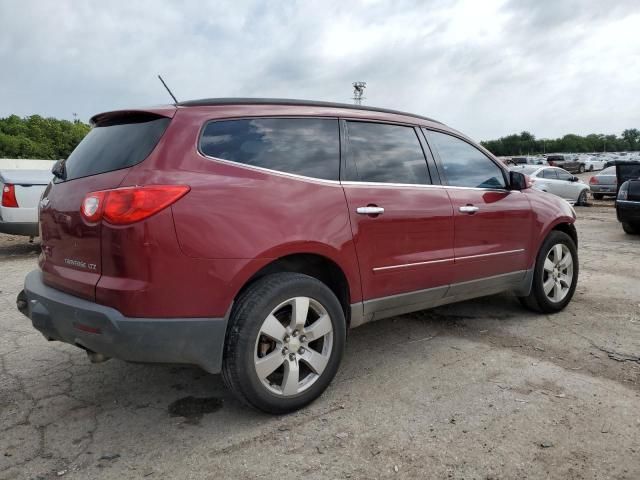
x=557, y=181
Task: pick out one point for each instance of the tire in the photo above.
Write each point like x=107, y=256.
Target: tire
x=275, y=298
x=598, y=196
x=582, y=198
x=631, y=229
x=540, y=301
x=581, y=168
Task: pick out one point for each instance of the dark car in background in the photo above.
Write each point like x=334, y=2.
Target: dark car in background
x=570, y=163
x=628, y=199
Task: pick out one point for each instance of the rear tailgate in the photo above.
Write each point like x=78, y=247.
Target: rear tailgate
x=71, y=246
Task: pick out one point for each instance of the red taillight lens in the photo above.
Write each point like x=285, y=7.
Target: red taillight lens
x=123, y=206
x=9, y=196
x=593, y=181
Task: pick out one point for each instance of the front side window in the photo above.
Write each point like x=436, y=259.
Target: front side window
x=383, y=153
x=303, y=146
x=549, y=173
x=464, y=165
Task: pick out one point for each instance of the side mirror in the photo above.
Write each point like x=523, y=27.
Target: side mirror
x=517, y=181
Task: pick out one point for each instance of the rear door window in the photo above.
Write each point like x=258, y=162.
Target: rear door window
x=115, y=144
x=302, y=146
x=464, y=165
x=384, y=153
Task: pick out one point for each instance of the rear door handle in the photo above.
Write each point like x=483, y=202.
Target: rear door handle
x=369, y=210
x=468, y=209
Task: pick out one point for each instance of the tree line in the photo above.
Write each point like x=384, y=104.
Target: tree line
x=51, y=138
x=39, y=137
x=527, y=144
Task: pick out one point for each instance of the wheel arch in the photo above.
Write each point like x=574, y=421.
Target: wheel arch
x=315, y=265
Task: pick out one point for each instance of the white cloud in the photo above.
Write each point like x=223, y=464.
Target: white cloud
x=487, y=68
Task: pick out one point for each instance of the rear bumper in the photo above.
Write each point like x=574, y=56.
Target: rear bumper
x=66, y=318
x=628, y=211
x=604, y=189
x=19, y=228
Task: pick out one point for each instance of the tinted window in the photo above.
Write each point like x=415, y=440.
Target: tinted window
x=117, y=145
x=383, y=153
x=608, y=171
x=304, y=146
x=465, y=165
x=549, y=173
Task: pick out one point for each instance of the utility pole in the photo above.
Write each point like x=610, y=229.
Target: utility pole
x=358, y=92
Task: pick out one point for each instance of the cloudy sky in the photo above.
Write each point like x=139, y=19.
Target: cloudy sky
x=488, y=68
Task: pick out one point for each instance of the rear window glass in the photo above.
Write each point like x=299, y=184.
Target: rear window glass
x=119, y=144
x=302, y=146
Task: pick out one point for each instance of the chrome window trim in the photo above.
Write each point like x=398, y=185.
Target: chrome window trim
x=450, y=259
x=355, y=183
x=269, y=170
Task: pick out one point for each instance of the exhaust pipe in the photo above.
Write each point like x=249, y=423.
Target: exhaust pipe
x=96, y=357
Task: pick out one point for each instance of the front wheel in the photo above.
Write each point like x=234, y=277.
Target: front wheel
x=555, y=275
x=581, y=168
x=284, y=344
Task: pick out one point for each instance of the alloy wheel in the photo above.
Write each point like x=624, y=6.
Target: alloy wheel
x=558, y=273
x=294, y=346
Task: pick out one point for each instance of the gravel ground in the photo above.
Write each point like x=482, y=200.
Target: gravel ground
x=481, y=389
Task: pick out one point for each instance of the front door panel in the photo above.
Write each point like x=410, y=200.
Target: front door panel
x=409, y=247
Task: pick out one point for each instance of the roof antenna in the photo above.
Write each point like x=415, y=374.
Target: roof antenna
x=175, y=100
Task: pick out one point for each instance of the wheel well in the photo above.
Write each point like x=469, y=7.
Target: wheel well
x=569, y=229
x=316, y=266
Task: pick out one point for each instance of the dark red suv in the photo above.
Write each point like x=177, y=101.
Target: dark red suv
x=246, y=236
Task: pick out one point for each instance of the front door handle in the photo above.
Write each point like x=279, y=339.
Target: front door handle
x=370, y=210
x=470, y=209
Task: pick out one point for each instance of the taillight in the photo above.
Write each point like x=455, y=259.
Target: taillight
x=593, y=181
x=123, y=206
x=9, y=196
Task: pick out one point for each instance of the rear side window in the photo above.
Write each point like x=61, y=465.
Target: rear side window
x=464, y=165
x=384, y=153
x=303, y=146
x=121, y=143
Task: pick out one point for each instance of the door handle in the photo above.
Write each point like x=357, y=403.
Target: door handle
x=370, y=210
x=470, y=209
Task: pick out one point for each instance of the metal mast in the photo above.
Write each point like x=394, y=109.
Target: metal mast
x=358, y=92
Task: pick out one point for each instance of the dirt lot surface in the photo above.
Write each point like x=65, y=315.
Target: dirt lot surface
x=482, y=389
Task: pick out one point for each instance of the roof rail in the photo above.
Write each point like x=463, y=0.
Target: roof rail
x=286, y=101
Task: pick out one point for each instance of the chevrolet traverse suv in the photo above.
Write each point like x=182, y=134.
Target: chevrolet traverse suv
x=246, y=236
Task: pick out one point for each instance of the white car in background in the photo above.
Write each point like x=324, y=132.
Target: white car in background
x=593, y=164
x=556, y=181
x=21, y=191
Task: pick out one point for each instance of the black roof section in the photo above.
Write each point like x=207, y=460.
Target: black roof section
x=205, y=102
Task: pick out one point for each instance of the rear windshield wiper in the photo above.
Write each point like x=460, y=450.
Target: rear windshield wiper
x=59, y=170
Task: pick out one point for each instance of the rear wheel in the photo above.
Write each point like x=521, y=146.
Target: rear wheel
x=284, y=344
x=631, y=228
x=555, y=276
x=598, y=196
